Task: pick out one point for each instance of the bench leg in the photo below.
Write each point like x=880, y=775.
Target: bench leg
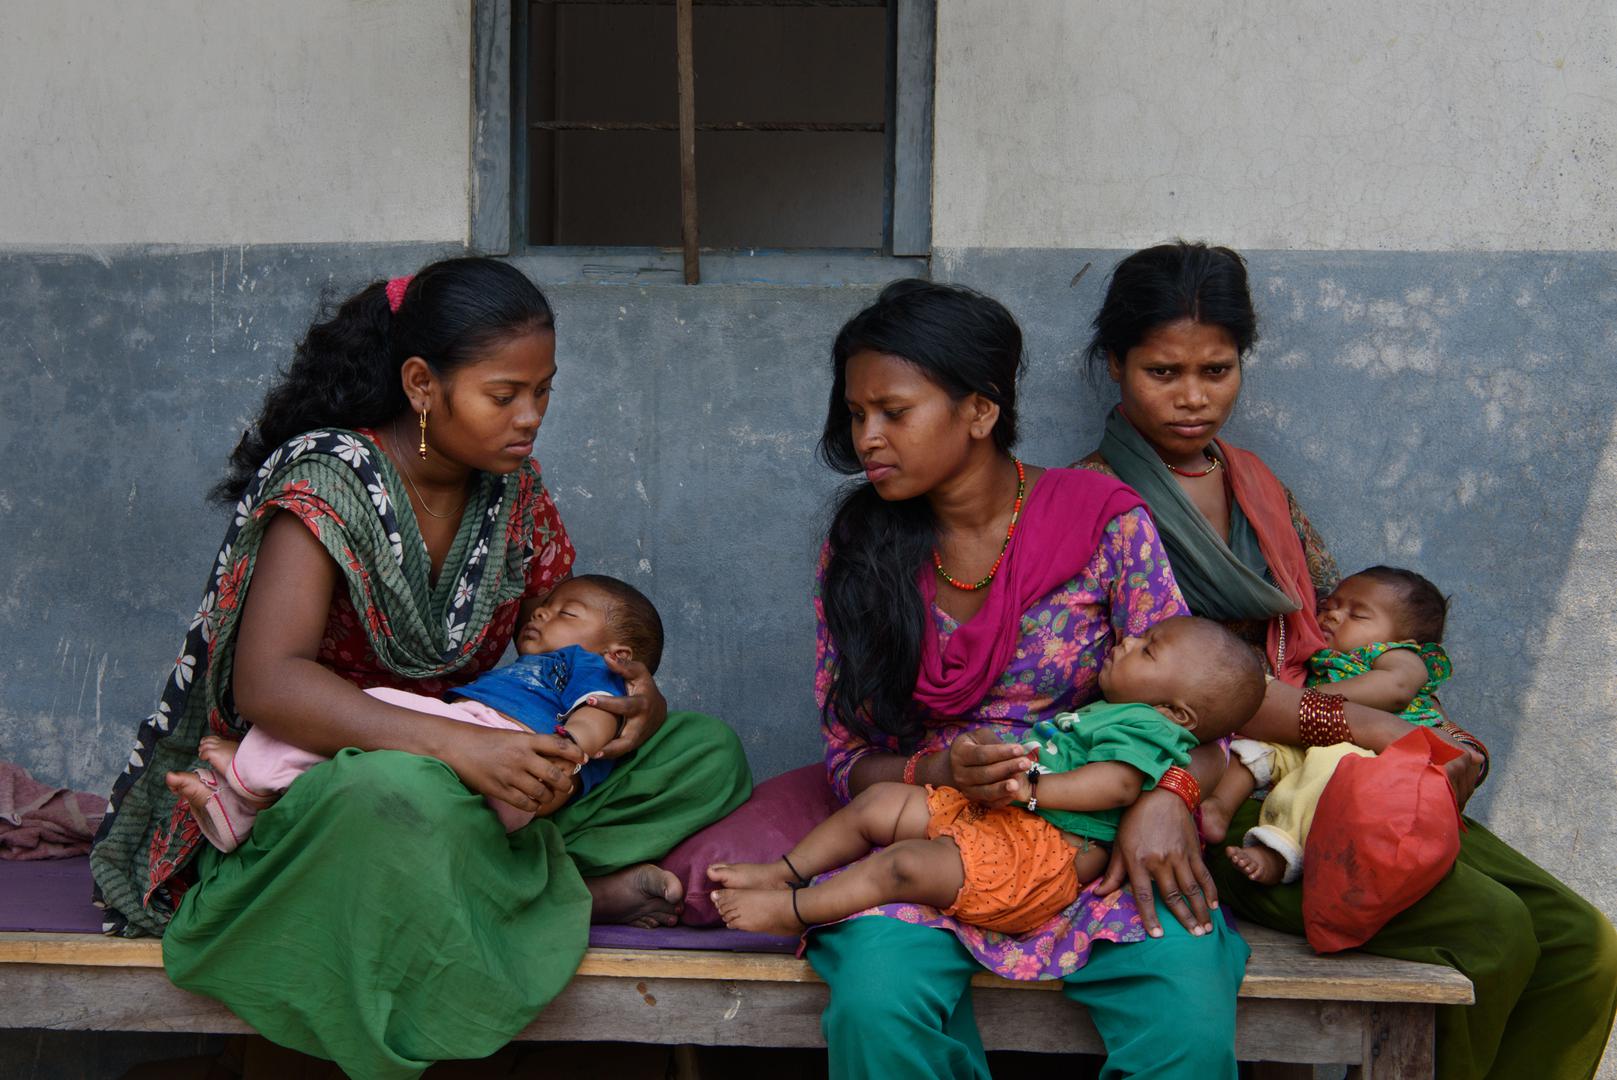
x=685, y=1063
x=1398, y=1042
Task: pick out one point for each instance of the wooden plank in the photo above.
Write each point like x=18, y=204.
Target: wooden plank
x=686, y=59
x=916, y=48
x=1282, y=968
x=490, y=226
x=706, y=1012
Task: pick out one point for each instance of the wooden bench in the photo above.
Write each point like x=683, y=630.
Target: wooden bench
x=1371, y=1013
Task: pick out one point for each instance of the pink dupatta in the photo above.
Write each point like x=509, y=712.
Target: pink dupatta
x=1061, y=526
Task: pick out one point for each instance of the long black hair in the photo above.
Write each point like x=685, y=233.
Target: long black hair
x=345, y=371
x=966, y=343
x=1164, y=284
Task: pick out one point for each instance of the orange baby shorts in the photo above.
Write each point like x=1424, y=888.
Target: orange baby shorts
x=1019, y=870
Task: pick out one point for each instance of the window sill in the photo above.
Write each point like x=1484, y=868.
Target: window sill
x=746, y=266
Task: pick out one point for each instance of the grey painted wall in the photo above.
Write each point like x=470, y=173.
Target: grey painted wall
x=1451, y=413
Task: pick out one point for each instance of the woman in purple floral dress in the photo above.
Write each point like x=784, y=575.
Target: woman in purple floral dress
x=941, y=640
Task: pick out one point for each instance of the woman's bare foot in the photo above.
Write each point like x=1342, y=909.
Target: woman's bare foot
x=1264, y=865
x=646, y=896
x=763, y=911
x=752, y=875
x=1215, y=817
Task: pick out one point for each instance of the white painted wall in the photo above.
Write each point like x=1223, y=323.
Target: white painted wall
x=234, y=121
x=1381, y=124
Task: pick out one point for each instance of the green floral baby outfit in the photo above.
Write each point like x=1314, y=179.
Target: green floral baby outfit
x=1328, y=666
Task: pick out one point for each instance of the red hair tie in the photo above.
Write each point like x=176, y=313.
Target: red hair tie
x=395, y=292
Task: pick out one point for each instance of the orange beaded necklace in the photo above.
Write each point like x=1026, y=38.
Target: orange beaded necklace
x=1016, y=512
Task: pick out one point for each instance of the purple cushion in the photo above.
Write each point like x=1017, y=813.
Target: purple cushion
x=780, y=813
x=48, y=896
x=685, y=937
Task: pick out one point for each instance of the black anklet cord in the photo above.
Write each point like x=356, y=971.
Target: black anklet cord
x=795, y=913
x=801, y=882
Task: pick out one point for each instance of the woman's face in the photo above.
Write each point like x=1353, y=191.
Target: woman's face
x=485, y=414
x=1179, y=386
x=910, y=434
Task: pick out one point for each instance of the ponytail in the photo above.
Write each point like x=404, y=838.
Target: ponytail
x=345, y=371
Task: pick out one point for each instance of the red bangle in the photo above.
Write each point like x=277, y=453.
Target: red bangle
x=1322, y=719
x=1182, y=782
x=911, y=764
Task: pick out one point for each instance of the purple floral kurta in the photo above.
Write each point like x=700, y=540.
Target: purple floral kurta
x=1126, y=588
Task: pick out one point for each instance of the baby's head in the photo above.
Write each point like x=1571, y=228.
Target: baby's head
x=598, y=613
x=1193, y=671
x=1383, y=603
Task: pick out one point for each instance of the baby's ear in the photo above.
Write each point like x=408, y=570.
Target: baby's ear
x=618, y=652
x=1181, y=713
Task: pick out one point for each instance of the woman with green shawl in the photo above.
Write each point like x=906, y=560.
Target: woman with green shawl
x=1176, y=322
x=379, y=916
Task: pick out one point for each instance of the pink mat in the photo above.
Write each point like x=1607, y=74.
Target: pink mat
x=53, y=896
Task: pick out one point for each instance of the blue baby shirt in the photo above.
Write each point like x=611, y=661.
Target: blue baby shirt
x=539, y=691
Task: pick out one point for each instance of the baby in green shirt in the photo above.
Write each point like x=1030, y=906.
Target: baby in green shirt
x=1184, y=681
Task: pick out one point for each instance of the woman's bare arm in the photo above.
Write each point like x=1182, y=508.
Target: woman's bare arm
x=1372, y=729
x=1276, y=720
x=281, y=686
x=977, y=763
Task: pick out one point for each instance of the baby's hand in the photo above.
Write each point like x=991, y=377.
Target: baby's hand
x=1024, y=788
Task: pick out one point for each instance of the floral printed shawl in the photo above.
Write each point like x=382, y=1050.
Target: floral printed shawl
x=345, y=491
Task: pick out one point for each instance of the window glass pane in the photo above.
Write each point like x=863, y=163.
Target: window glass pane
x=615, y=63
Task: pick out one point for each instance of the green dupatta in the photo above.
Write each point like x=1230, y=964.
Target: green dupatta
x=343, y=488
x=1216, y=582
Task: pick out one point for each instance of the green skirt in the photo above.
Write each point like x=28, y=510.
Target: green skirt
x=379, y=917
x=1542, y=958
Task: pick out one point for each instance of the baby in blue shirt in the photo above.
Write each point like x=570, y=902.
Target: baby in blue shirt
x=561, y=665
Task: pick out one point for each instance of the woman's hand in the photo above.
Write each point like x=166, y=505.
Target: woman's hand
x=517, y=767
x=640, y=712
x=1157, y=845
x=984, y=768
x=1464, y=771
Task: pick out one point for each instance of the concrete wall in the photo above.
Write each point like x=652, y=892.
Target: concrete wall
x=203, y=122
x=1377, y=125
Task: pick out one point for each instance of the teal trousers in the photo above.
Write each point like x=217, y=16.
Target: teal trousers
x=901, y=1002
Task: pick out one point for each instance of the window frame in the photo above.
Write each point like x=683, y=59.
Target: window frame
x=498, y=164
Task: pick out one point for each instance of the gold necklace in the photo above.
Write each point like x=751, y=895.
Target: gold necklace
x=404, y=471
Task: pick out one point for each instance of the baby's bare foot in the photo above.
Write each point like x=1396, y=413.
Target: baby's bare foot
x=190, y=787
x=217, y=752
x=201, y=792
x=752, y=875
x=1215, y=821
x=763, y=911
x=1263, y=865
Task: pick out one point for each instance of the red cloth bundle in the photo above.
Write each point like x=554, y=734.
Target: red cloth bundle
x=1386, y=830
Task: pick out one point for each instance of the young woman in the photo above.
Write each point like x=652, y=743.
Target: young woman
x=1175, y=326
x=963, y=596
x=390, y=530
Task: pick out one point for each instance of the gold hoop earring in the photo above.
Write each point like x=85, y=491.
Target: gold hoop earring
x=422, y=450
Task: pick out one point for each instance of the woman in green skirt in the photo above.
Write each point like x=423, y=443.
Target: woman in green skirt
x=390, y=530
x=1175, y=326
